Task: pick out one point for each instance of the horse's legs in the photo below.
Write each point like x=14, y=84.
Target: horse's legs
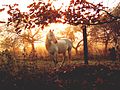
x=52, y=57
x=55, y=58
x=64, y=58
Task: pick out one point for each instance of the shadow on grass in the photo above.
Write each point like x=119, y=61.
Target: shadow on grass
x=68, y=77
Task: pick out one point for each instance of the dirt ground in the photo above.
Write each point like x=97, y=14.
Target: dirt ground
x=43, y=75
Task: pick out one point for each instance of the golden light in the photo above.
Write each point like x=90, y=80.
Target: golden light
x=40, y=44
x=58, y=27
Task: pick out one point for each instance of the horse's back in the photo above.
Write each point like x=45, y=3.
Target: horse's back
x=68, y=42
x=64, y=44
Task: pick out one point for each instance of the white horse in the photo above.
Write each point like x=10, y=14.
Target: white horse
x=55, y=47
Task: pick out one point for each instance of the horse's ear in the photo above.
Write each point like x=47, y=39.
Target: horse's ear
x=53, y=30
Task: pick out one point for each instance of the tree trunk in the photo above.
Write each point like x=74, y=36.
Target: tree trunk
x=14, y=55
x=76, y=51
x=33, y=48
x=33, y=51
x=85, y=45
x=106, y=47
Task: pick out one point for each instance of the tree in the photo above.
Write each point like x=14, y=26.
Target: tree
x=101, y=34
x=109, y=31
x=70, y=32
x=1, y=10
x=40, y=14
x=9, y=40
x=78, y=12
x=30, y=38
x=115, y=26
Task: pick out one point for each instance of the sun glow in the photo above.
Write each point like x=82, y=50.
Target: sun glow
x=59, y=31
x=57, y=27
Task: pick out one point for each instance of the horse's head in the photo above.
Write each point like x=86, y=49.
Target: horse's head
x=51, y=37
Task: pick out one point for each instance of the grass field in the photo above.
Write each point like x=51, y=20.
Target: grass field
x=43, y=75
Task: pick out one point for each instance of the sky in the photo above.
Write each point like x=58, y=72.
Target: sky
x=24, y=3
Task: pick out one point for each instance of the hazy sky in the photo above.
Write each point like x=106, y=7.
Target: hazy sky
x=24, y=3
x=109, y=3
